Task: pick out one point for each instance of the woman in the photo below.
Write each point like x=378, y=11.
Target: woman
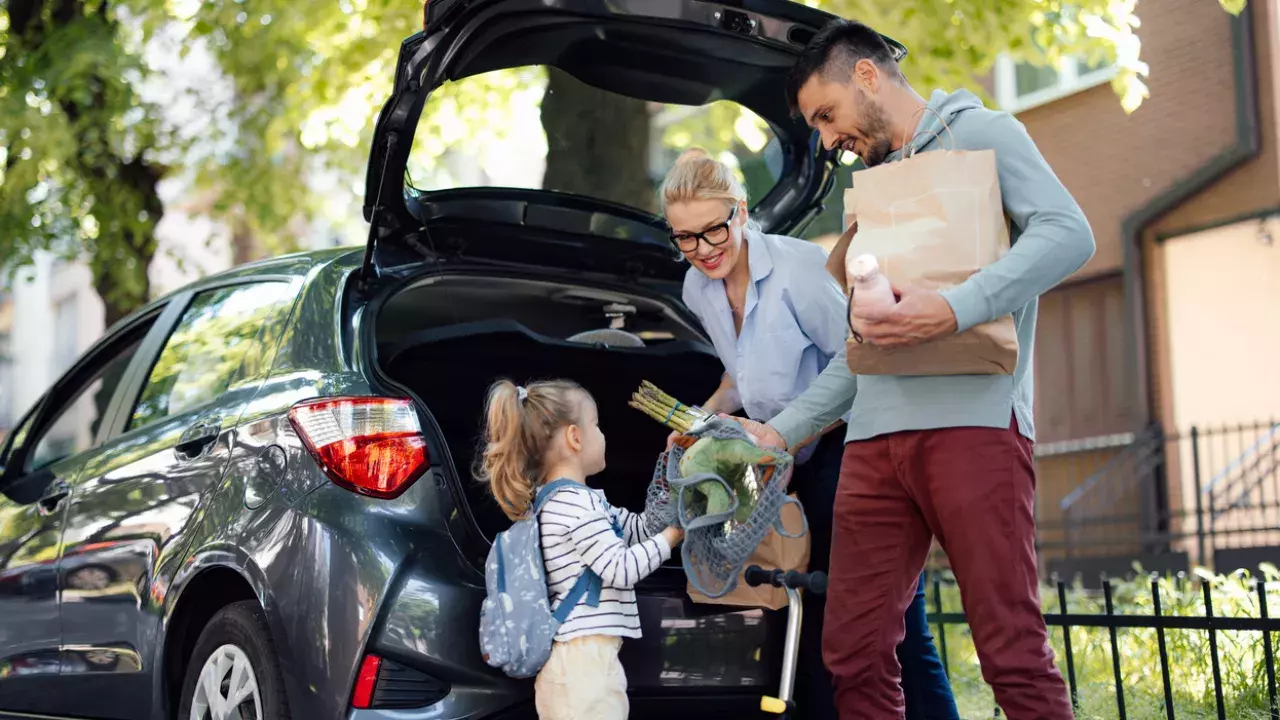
x=776, y=318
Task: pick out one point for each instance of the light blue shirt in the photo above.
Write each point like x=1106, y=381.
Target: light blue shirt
x=793, y=322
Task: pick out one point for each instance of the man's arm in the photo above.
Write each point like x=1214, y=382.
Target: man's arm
x=1056, y=239
x=827, y=399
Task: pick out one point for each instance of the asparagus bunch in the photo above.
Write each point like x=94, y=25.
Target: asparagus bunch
x=651, y=401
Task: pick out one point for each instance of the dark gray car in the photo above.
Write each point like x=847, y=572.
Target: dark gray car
x=252, y=498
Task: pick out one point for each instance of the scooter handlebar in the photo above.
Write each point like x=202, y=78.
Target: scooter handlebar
x=814, y=582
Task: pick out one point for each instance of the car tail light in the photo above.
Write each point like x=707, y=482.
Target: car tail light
x=366, y=682
x=370, y=445
x=387, y=685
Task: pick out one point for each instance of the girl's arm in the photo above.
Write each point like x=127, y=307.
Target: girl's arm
x=634, y=526
x=591, y=529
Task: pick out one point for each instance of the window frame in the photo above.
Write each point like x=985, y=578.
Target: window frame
x=178, y=306
x=1070, y=82
x=84, y=371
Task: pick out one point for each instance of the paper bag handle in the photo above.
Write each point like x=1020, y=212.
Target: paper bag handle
x=848, y=316
x=909, y=146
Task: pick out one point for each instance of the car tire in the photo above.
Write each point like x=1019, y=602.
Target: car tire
x=235, y=642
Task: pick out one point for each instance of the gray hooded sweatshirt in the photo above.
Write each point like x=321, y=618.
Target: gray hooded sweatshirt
x=1050, y=240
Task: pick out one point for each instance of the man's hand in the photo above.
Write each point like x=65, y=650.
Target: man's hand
x=920, y=316
x=764, y=435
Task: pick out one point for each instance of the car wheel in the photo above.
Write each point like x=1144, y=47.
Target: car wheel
x=234, y=673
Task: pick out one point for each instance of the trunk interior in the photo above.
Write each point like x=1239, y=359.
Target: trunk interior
x=450, y=337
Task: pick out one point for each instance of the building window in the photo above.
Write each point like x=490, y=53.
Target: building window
x=1022, y=85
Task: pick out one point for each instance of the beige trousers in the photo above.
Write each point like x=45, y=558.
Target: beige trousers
x=583, y=680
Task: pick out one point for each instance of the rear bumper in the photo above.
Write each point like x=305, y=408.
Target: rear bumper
x=694, y=660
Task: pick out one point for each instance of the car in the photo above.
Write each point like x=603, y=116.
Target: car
x=253, y=497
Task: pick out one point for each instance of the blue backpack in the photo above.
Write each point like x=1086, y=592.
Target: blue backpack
x=517, y=624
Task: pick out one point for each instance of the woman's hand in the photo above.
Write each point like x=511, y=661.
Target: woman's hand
x=672, y=438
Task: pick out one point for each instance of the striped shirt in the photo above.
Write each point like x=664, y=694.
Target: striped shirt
x=577, y=526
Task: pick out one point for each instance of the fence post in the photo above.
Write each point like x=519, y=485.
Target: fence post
x=1195, y=473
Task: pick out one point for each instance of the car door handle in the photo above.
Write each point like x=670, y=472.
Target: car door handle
x=53, y=497
x=196, y=439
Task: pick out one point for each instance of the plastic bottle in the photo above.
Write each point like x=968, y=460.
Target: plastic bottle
x=871, y=289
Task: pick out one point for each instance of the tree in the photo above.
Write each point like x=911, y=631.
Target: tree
x=82, y=152
x=951, y=44
x=612, y=130
x=78, y=146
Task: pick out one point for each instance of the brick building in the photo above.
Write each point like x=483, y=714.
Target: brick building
x=1175, y=322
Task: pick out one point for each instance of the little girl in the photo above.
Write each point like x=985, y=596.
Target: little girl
x=546, y=432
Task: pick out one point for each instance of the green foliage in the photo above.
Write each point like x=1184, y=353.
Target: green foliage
x=77, y=145
x=1240, y=654
x=81, y=152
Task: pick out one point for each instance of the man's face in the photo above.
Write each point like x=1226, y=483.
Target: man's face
x=847, y=116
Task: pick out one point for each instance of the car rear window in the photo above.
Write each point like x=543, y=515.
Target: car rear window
x=539, y=128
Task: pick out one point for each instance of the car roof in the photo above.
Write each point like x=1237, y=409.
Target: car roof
x=297, y=265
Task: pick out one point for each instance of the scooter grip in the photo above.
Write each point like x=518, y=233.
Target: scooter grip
x=756, y=575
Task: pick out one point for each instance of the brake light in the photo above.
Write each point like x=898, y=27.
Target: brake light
x=366, y=682
x=369, y=445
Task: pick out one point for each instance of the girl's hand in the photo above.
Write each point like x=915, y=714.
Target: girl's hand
x=672, y=438
x=673, y=535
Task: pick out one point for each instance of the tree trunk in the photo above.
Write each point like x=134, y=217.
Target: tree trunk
x=597, y=143
x=245, y=247
x=121, y=255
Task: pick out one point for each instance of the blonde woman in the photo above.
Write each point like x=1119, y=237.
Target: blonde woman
x=776, y=319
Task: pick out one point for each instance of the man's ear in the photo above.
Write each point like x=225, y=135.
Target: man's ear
x=866, y=75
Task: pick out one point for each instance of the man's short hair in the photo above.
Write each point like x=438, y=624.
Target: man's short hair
x=834, y=52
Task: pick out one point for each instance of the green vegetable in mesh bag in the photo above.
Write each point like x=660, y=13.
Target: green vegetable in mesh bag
x=731, y=459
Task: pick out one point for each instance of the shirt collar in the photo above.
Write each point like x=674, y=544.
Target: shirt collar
x=758, y=256
x=760, y=263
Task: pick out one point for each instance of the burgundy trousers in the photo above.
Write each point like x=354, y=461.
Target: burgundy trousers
x=974, y=490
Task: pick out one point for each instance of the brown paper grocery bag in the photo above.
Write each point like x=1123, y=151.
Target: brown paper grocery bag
x=931, y=220
x=775, y=551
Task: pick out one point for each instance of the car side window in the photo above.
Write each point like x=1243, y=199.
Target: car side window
x=218, y=336
x=18, y=436
x=79, y=416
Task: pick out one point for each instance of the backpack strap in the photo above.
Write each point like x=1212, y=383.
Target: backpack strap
x=547, y=491
x=589, y=584
x=502, y=570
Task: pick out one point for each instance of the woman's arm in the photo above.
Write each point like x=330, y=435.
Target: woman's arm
x=725, y=399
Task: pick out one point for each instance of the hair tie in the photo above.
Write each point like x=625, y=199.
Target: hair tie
x=521, y=394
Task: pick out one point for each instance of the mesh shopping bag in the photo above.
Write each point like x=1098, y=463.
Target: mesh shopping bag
x=727, y=503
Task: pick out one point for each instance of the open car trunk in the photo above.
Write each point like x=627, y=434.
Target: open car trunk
x=448, y=338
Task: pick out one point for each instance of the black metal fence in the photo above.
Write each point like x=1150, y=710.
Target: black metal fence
x=1176, y=499
x=1127, y=667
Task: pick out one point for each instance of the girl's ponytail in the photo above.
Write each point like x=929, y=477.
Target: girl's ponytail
x=519, y=425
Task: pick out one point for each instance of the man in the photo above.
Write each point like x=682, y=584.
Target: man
x=946, y=457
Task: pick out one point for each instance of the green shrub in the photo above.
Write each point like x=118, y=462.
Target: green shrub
x=1241, y=655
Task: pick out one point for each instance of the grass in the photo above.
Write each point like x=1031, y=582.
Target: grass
x=1241, y=655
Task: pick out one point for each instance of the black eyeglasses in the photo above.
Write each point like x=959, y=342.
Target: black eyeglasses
x=714, y=236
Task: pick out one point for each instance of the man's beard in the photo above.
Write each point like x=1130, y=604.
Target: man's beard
x=878, y=133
